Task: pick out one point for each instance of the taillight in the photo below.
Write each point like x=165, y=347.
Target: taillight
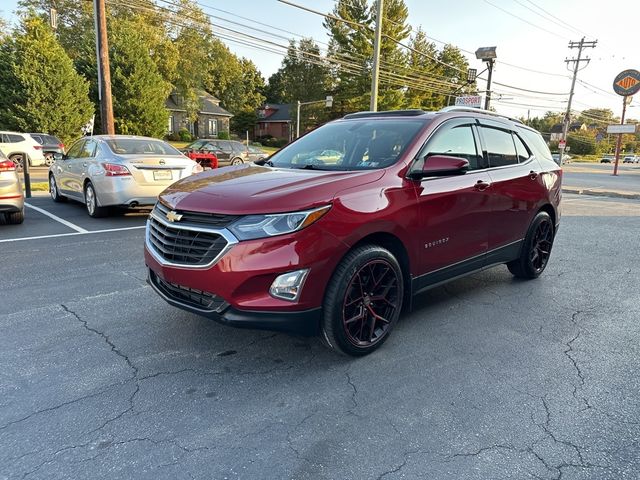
x=7, y=166
x=38, y=147
x=197, y=168
x=115, y=170
x=61, y=146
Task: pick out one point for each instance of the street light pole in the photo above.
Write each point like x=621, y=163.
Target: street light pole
x=487, y=99
x=298, y=120
x=376, y=58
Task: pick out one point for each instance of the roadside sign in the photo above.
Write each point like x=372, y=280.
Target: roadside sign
x=626, y=128
x=562, y=143
x=627, y=82
x=328, y=102
x=474, y=101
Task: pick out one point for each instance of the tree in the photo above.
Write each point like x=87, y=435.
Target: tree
x=139, y=91
x=421, y=68
x=39, y=88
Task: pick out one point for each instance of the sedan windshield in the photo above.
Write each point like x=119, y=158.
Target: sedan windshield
x=350, y=145
x=140, y=146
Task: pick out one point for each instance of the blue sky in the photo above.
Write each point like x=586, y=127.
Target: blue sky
x=540, y=44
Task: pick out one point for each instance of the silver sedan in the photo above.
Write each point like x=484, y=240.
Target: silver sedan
x=117, y=170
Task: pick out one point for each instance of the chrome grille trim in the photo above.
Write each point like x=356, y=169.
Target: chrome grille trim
x=197, y=253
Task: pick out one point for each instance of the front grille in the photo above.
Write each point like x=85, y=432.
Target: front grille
x=190, y=297
x=184, y=247
x=213, y=220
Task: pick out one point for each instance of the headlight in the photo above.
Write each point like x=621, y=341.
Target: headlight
x=260, y=226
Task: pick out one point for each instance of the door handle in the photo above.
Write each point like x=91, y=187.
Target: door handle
x=84, y=164
x=481, y=185
x=533, y=175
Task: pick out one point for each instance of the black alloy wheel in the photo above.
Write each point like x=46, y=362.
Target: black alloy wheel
x=363, y=301
x=536, y=249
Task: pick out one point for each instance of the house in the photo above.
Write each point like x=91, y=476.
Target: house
x=274, y=119
x=556, y=130
x=212, y=118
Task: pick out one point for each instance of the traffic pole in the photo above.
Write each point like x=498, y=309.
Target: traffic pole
x=104, y=72
x=373, y=106
x=619, y=141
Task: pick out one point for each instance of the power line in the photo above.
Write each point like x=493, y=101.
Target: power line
x=524, y=20
x=563, y=21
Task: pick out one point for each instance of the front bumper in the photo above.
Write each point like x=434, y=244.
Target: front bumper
x=304, y=322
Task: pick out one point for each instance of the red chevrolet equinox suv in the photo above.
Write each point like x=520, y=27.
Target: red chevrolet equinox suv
x=333, y=234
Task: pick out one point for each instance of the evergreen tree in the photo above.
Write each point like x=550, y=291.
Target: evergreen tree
x=139, y=91
x=424, y=72
x=39, y=87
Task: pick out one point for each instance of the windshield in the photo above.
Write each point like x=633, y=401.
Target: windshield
x=140, y=146
x=350, y=145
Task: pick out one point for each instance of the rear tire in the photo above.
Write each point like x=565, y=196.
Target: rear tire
x=536, y=249
x=18, y=160
x=48, y=159
x=237, y=161
x=363, y=301
x=91, y=202
x=15, y=218
x=53, y=190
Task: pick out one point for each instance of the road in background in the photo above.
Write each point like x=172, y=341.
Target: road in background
x=488, y=377
x=600, y=176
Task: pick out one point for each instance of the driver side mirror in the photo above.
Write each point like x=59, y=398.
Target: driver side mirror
x=59, y=156
x=441, y=166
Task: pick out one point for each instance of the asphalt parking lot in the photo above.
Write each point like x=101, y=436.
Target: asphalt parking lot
x=487, y=378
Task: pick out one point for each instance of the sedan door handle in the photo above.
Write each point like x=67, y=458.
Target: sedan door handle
x=533, y=175
x=84, y=164
x=481, y=185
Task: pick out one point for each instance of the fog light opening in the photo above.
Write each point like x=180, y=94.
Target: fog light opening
x=288, y=286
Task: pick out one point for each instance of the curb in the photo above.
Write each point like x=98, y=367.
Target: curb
x=596, y=192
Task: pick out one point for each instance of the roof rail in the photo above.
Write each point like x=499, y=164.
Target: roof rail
x=454, y=108
x=388, y=113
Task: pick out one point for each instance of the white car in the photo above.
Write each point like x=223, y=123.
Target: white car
x=15, y=145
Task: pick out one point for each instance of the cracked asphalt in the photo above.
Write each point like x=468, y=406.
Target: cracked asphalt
x=487, y=378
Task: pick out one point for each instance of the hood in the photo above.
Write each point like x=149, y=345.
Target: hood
x=250, y=188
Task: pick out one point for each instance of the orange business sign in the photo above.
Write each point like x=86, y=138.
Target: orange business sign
x=627, y=83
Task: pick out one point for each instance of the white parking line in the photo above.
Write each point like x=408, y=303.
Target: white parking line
x=57, y=219
x=73, y=234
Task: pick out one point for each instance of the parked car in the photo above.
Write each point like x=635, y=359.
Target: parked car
x=202, y=152
x=11, y=195
x=630, y=159
x=338, y=248
x=15, y=145
x=565, y=158
x=117, y=170
x=607, y=159
x=229, y=152
x=255, y=154
x=50, y=146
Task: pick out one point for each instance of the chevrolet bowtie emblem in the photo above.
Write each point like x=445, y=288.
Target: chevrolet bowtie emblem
x=174, y=216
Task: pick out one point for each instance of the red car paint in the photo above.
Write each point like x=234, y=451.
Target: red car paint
x=204, y=158
x=440, y=222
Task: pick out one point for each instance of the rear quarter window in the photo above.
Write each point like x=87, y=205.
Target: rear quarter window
x=15, y=138
x=536, y=143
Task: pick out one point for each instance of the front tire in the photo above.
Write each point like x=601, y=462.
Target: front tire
x=536, y=248
x=363, y=301
x=54, y=192
x=91, y=202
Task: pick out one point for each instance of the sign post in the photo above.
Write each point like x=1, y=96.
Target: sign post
x=626, y=84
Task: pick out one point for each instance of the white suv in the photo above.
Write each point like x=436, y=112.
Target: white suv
x=14, y=145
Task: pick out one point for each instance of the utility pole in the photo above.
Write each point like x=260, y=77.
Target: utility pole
x=576, y=68
x=487, y=98
x=376, y=58
x=104, y=73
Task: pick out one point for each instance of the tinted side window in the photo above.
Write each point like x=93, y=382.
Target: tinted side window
x=74, y=151
x=456, y=142
x=501, y=150
x=15, y=138
x=536, y=143
x=225, y=147
x=521, y=149
x=37, y=138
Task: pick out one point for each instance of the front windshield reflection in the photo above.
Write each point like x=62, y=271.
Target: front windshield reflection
x=350, y=145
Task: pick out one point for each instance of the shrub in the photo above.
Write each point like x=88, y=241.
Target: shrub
x=223, y=135
x=184, y=135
